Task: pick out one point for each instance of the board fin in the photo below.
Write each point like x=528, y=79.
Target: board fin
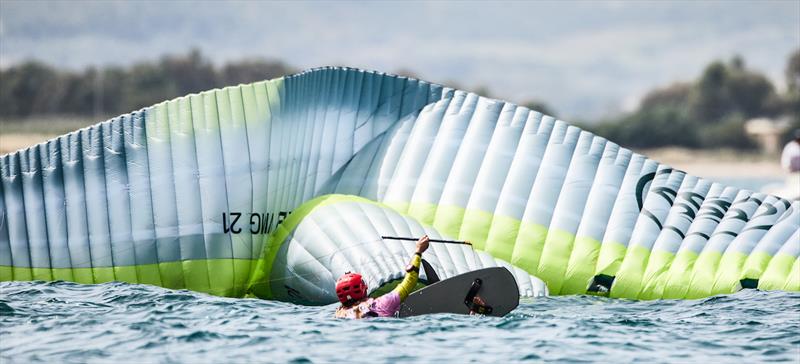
x=430, y=274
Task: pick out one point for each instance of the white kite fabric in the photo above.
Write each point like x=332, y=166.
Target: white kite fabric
x=273, y=188
x=343, y=233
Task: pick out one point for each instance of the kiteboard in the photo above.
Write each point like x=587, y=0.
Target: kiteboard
x=495, y=287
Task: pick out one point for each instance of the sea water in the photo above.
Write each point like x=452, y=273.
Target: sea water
x=60, y=322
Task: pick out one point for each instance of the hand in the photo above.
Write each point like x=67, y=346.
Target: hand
x=422, y=244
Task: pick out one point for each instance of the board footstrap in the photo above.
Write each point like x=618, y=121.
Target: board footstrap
x=469, y=300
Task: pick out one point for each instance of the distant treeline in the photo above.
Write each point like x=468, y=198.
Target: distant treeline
x=33, y=88
x=709, y=112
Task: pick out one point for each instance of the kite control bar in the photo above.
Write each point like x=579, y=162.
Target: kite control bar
x=431, y=240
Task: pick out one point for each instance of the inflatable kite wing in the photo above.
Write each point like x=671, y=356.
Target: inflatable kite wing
x=220, y=192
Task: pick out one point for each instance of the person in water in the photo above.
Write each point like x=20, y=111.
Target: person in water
x=352, y=291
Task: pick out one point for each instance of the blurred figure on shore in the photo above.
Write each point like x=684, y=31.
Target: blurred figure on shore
x=790, y=161
x=790, y=158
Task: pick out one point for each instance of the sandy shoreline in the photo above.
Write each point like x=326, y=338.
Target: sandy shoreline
x=10, y=142
x=718, y=163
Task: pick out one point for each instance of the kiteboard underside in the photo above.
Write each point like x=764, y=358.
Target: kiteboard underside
x=495, y=286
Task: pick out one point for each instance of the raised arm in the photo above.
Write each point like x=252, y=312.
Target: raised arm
x=412, y=270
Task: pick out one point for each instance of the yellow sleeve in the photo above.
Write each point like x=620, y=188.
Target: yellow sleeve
x=410, y=280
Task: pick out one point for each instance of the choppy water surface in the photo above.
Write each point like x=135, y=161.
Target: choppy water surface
x=118, y=322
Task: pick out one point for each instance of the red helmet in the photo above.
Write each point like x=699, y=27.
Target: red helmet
x=350, y=288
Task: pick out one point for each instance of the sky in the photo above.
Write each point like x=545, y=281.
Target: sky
x=587, y=60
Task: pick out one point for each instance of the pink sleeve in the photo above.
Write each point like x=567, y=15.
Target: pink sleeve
x=386, y=305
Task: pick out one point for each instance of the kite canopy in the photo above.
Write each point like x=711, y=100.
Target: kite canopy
x=276, y=187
